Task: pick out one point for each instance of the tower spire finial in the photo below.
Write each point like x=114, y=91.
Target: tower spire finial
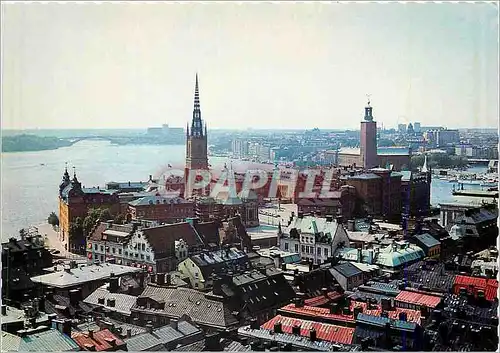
x=196, y=124
x=368, y=95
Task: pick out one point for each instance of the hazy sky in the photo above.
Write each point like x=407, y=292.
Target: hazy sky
x=260, y=65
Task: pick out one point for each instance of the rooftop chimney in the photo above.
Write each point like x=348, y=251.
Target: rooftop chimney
x=277, y=327
x=113, y=284
x=4, y=310
x=312, y=334
x=91, y=333
x=174, y=324
x=296, y=330
x=129, y=332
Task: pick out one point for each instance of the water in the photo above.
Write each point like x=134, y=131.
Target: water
x=29, y=190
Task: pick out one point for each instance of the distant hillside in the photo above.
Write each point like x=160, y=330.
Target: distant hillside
x=24, y=143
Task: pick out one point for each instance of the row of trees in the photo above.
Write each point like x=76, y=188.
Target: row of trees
x=439, y=160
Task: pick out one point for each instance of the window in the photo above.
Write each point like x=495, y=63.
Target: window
x=113, y=250
x=143, y=247
x=326, y=252
x=303, y=248
x=319, y=251
x=142, y=257
x=296, y=247
x=286, y=246
x=102, y=248
x=147, y=257
x=120, y=251
x=95, y=246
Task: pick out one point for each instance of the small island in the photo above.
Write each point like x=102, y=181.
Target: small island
x=26, y=143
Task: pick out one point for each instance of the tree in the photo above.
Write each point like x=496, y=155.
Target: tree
x=53, y=220
x=105, y=215
x=119, y=219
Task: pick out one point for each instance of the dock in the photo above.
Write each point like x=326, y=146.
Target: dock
x=476, y=193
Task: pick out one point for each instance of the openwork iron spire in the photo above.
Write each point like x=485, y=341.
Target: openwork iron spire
x=196, y=124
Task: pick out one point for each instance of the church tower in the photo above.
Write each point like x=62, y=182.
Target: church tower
x=368, y=143
x=196, y=137
x=196, y=143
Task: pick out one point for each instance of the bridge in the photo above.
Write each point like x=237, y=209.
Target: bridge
x=478, y=161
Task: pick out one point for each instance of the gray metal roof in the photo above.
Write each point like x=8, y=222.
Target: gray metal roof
x=427, y=240
x=219, y=256
x=123, y=302
x=83, y=274
x=347, y=269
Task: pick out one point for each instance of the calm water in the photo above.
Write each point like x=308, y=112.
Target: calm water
x=29, y=189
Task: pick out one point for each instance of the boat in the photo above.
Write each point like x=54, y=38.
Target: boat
x=42, y=163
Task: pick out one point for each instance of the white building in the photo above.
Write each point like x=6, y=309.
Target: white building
x=314, y=239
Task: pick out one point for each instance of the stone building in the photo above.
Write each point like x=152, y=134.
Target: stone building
x=368, y=155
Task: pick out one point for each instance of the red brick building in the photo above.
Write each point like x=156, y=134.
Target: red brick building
x=162, y=209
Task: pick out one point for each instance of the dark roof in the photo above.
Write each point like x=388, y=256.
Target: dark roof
x=257, y=291
x=98, y=234
x=347, y=270
x=208, y=231
x=427, y=240
x=162, y=239
x=190, y=302
x=159, y=200
x=219, y=260
x=60, y=305
x=19, y=245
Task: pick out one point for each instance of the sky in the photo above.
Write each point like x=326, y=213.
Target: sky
x=267, y=65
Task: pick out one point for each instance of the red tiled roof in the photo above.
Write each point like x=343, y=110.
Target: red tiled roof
x=411, y=315
x=314, y=312
x=429, y=301
x=324, y=332
x=489, y=286
x=322, y=300
x=100, y=340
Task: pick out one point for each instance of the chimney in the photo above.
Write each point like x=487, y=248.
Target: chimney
x=66, y=328
x=4, y=310
x=277, y=327
x=168, y=279
x=160, y=279
x=129, y=332
x=334, y=308
x=329, y=218
x=41, y=304
x=91, y=333
x=141, y=279
x=113, y=284
x=402, y=316
x=324, y=291
x=149, y=328
x=360, y=255
x=75, y=295
x=300, y=215
x=254, y=325
x=312, y=334
x=89, y=347
x=130, y=289
x=370, y=256
x=212, y=343
x=296, y=330
x=350, y=225
x=174, y=324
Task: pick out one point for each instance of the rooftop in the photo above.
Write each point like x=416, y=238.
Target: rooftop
x=83, y=274
x=417, y=298
x=325, y=332
x=118, y=302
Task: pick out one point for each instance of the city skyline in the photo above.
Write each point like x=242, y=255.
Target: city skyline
x=132, y=65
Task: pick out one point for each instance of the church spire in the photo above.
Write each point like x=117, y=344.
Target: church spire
x=368, y=110
x=196, y=123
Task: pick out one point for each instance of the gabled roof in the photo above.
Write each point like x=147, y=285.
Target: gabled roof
x=101, y=340
x=185, y=301
x=208, y=231
x=162, y=238
x=325, y=332
x=417, y=298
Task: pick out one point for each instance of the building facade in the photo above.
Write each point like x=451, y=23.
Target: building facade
x=76, y=201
